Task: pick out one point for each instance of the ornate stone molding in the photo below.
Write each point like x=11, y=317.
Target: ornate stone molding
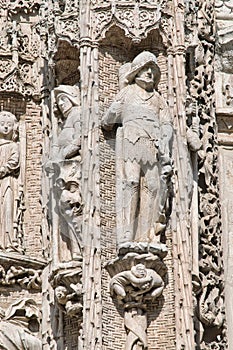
x=136, y=19
x=20, y=270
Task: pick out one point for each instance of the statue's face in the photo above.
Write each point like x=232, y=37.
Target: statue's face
x=6, y=126
x=146, y=74
x=140, y=271
x=64, y=103
x=60, y=293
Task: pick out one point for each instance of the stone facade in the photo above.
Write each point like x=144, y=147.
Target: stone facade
x=115, y=175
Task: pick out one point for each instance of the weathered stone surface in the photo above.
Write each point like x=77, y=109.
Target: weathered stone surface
x=116, y=174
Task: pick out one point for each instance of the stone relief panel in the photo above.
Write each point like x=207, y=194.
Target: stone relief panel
x=19, y=51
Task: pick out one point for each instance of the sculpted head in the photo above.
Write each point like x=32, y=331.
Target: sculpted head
x=61, y=294
x=8, y=126
x=144, y=71
x=139, y=271
x=66, y=97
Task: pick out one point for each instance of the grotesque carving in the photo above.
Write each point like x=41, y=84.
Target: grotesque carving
x=66, y=281
x=143, y=150
x=19, y=326
x=9, y=167
x=135, y=287
x=137, y=281
x=69, y=301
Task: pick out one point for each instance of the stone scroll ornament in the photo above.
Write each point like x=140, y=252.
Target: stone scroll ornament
x=66, y=166
x=9, y=171
x=143, y=151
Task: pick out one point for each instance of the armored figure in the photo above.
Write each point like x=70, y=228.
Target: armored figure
x=143, y=150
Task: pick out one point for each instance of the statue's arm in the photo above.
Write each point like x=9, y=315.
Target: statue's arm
x=12, y=163
x=113, y=114
x=193, y=138
x=166, y=133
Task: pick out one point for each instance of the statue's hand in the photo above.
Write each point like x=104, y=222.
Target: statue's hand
x=107, y=127
x=2, y=172
x=166, y=170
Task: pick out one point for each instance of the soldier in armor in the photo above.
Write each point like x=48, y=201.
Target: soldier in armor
x=143, y=147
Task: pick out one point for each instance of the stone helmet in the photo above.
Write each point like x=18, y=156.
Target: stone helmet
x=72, y=92
x=141, y=60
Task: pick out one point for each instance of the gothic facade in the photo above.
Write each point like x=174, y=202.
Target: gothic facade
x=116, y=174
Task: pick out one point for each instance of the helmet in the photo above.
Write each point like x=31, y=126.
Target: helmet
x=140, y=61
x=72, y=92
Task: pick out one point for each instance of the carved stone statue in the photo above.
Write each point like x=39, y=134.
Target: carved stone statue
x=69, y=302
x=142, y=150
x=9, y=167
x=66, y=163
x=19, y=326
x=137, y=282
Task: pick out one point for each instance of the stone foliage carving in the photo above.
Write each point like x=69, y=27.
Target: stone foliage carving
x=209, y=303
x=9, y=170
x=142, y=151
x=27, y=278
x=19, y=326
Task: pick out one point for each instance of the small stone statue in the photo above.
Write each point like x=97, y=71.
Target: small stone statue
x=66, y=167
x=136, y=283
x=143, y=148
x=9, y=168
x=70, y=207
x=69, y=302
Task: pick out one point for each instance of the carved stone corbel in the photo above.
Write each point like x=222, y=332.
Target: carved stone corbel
x=66, y=282
x=137, y=279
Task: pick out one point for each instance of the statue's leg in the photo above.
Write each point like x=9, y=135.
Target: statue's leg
x=149, y=200
x=130, y=201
